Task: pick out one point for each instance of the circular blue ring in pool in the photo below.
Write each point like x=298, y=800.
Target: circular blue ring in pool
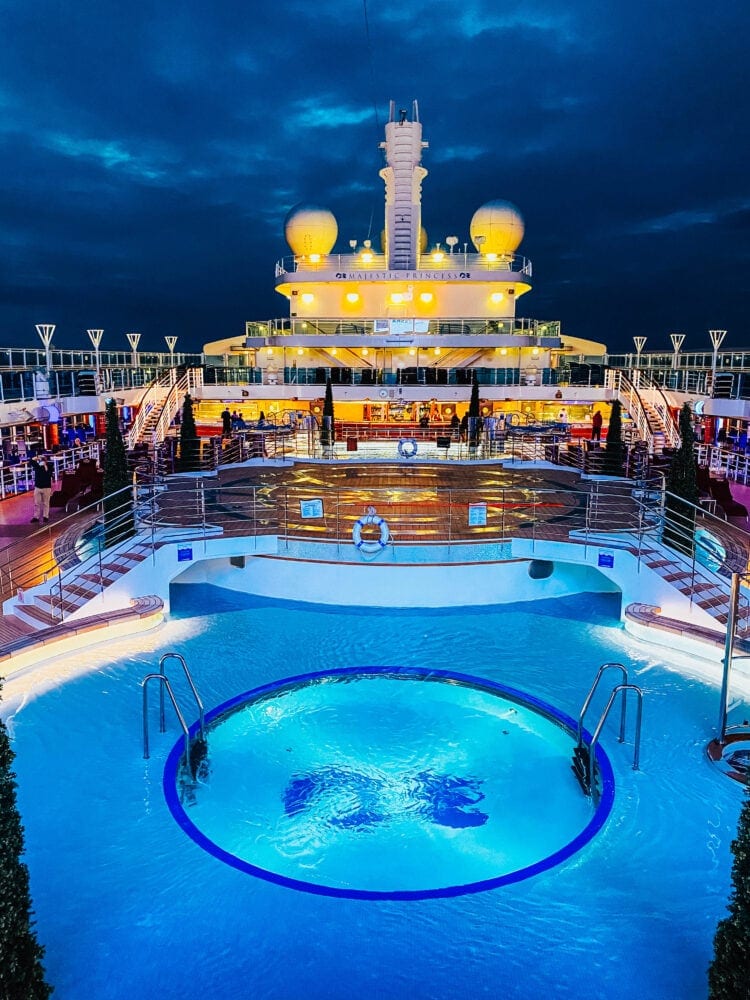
x=431, y=784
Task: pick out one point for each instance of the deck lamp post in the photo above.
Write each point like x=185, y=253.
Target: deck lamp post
x=717, y=338
x=171, y=343
x=46, y=331
x=640, y=343
x=95, y=336
x=133, y=340
x=677, y=341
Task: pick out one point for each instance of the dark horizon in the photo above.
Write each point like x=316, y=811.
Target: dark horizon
x=151, y=156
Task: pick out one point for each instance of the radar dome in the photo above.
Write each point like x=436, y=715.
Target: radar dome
x=501, y=225
x=310, y=229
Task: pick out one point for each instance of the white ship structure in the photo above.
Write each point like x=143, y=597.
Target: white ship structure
x=401, y=325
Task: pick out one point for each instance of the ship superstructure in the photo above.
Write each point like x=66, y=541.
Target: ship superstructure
x=400, y=324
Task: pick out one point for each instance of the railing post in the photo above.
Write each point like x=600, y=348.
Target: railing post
x=728, y=648
x=286, y=516
x=99, y=543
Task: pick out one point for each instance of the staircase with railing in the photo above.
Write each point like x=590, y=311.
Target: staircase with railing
x=648, y=407
x=678, y=547
x=160, y=404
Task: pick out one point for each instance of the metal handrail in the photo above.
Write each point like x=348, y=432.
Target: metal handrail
x=162, y=512
x=595, y=738
x=590, y=695
x=188, y=675
x=156, y=393
x=164, y=682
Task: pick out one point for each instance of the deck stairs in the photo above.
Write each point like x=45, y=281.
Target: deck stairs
x=648, y=406
x=44, y=609
x=705, y=589
x=159, y=406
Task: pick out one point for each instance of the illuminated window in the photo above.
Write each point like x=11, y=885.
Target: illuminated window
x=307, y=298
x=426, y=297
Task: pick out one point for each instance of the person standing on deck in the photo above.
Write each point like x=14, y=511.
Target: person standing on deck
x=42, y=488
x=226, y=422
x=596, y=426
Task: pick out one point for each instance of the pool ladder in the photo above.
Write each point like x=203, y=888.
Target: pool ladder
x=584, y=755
x=195, y=751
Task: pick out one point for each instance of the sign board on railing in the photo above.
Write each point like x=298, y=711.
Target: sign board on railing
x=477, y=515
x=311, y=508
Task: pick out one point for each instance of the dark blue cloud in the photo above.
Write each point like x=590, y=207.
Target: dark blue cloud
x=150, y=154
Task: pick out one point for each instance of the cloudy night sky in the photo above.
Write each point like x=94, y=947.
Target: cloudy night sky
x=150, y=153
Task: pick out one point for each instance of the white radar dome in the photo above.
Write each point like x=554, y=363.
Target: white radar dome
x=310, y=229
x=496, y=227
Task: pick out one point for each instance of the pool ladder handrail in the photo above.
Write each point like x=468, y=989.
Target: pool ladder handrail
x=163, y=683
x=188, y=675
x=624, y=688
x=584, y=763
x=590, y=695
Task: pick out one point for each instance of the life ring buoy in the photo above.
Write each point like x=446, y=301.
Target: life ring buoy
x=375, y=544
x=407, y=447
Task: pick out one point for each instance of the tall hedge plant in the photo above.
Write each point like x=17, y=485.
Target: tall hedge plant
x=189, y=441
x=117, y=500
x=729, y=972
x=614, y=449
x=682, y=490
x=21, y=969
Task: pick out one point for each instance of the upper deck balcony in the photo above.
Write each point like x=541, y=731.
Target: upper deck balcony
x=434, y=265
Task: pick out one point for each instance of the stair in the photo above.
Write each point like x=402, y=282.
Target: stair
x=706, y=594
x=44, y=610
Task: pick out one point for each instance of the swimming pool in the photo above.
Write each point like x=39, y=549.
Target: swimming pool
x=129, y=906
x=387, y=783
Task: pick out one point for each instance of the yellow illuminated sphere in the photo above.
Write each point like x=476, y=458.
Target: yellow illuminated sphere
x=501, y=225
x=310, y=229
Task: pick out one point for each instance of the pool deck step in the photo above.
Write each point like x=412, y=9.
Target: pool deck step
x=12, y=628
x=51, y=602
x=35, y=616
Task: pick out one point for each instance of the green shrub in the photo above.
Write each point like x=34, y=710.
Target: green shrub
x=21, y=970
x=729, y=973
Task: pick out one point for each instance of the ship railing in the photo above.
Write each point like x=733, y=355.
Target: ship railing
x=681, y=542
x=367, y=261
x=18, y=477
x=545, y=332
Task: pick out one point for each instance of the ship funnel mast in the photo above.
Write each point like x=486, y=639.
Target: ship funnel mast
x=403, y=175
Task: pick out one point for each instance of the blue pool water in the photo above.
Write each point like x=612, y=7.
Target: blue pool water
x=129, y=906
x=387, y=783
